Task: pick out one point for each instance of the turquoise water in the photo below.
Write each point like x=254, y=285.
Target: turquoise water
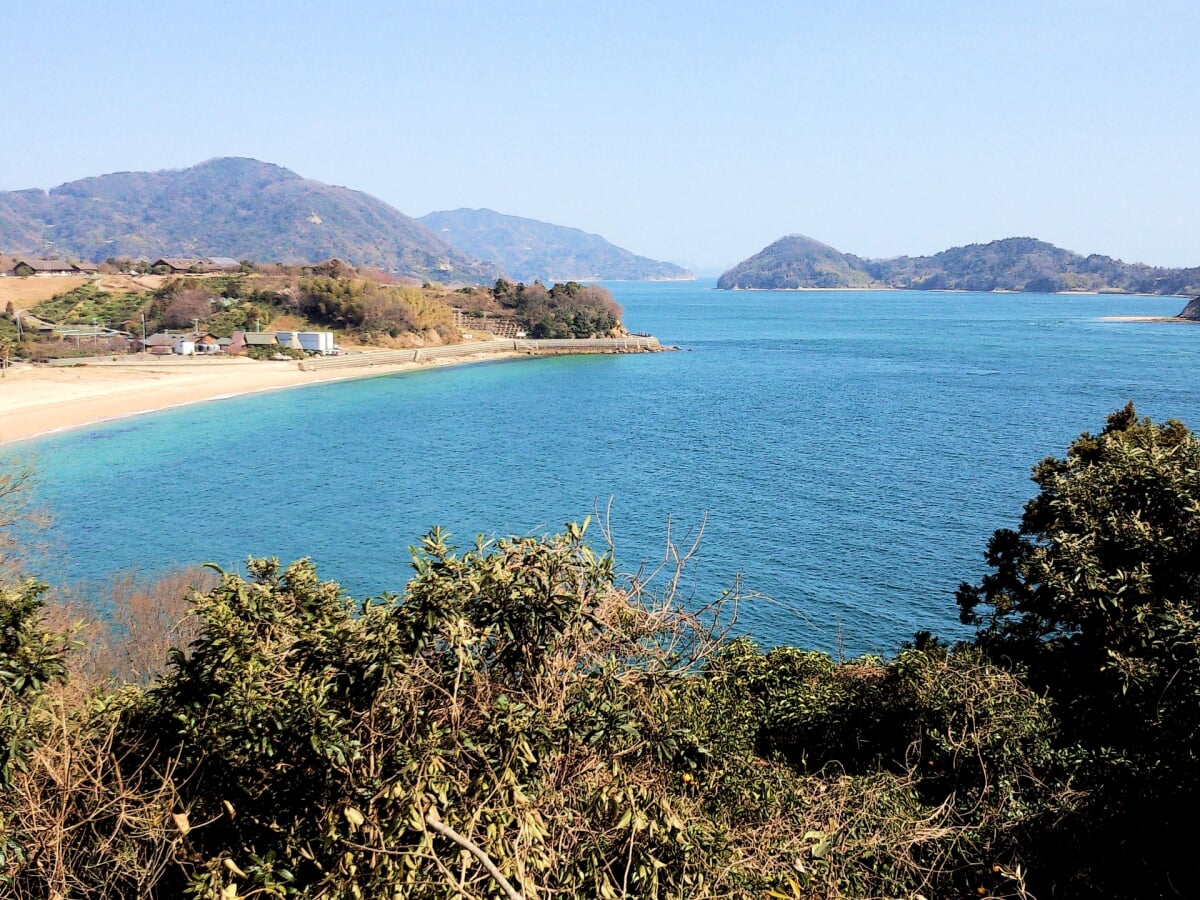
x=852, y=451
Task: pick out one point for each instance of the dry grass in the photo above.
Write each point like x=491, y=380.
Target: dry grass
x=27, y=292
x=92, y=823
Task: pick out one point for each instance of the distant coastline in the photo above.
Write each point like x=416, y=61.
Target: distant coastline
x=1017, y=264
x=911, y=290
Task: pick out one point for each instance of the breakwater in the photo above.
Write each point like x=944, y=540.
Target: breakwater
x=638, y=344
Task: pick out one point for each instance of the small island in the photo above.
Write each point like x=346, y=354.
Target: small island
x=1019, y=264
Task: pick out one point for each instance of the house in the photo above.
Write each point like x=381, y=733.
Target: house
x=165, y=343
x=207, y=343
x=243, y=339
x=30, y=266
x=161, y=344
x=178, y=265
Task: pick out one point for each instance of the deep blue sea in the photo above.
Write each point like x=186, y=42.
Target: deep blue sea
x=850, y=451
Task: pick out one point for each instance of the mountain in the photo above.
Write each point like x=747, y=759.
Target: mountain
x=234, y=207
x=796, y=261
x=529, y=250
x=1012, y=264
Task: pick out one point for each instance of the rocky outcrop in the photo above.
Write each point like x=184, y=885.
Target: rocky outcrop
x=1192, y=310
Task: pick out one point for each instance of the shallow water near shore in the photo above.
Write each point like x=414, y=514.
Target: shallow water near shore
x=852, y=451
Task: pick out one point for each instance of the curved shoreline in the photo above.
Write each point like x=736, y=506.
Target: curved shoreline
x=36, y=401
x=39, y=401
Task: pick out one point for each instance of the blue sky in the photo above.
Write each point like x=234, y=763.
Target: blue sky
x=686, y=131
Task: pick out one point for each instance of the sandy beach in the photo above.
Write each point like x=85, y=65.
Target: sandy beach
x=38, y=400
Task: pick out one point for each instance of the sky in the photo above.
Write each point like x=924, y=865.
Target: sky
x=697, y=132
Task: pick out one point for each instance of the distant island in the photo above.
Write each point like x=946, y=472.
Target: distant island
x=1019, y=264
x=529, y=250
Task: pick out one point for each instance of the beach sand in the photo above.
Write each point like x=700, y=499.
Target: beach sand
x=38, y=400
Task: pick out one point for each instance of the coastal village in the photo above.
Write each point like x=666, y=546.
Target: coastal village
x=196, y=342
x=82, y=343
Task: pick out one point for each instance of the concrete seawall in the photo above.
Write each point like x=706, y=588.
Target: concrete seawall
x=483, y=348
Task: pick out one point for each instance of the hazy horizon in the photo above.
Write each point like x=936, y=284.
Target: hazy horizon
x=696, y=135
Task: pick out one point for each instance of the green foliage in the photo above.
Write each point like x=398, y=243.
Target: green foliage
x=31, y=657
x=242, y=316
x=87, y=304
x=570, y=310
x=1099, y=584
x=516, y=703
x=315, y=734
x=1096, y=596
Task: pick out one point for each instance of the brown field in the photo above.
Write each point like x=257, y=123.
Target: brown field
x=26, y=292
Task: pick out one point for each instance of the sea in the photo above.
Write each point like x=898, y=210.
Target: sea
x=836, y=460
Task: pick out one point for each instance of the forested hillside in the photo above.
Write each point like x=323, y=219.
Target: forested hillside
x=529, y=250
x=238, y=208
x=1012, y=264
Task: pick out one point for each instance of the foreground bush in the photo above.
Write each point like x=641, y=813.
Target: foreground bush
x=1096, y=599
x=515, y=724
x=520, y=722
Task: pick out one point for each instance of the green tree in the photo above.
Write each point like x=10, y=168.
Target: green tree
x=1099, y=585
x=1096, y=596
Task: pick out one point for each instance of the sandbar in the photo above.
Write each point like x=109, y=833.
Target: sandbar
x=1174, y=319
x=36, y=400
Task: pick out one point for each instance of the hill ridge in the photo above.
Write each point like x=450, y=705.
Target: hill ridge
x=228, y=206
x=1023, y=264
x=530, y=249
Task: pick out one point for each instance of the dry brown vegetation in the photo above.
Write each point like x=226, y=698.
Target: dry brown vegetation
x=126, y=625
x=26, y=292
